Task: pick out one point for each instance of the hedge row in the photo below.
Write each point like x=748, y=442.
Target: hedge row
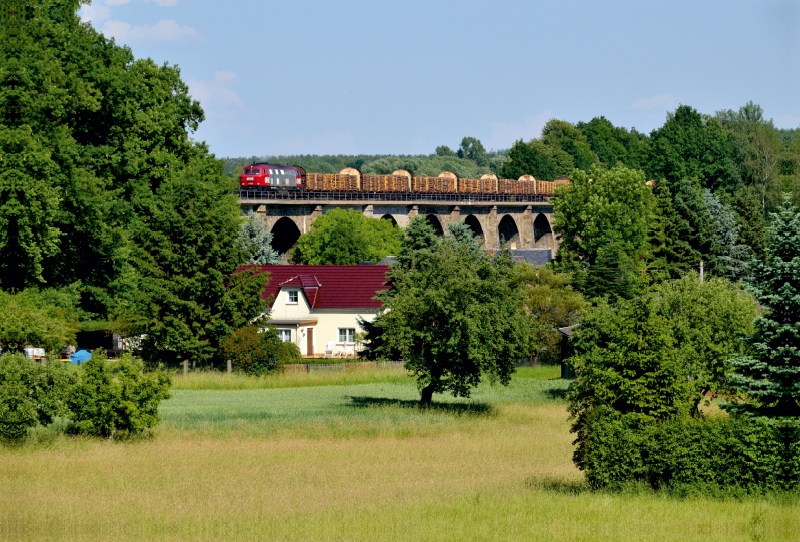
x=722, y=454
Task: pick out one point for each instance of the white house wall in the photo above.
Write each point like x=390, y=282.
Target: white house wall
x=328, y=322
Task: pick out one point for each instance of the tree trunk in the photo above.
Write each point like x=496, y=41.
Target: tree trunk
x=427, y=396
x=185, y=367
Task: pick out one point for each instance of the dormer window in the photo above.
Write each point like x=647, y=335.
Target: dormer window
x=293, y=297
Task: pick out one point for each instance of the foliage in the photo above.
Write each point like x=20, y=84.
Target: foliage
x=718, y=455
x=28, y=319
x=752, y=227
x=690, y=145
x=706, y=320
x=116, y=397
x=769, y=376
x=472, y=149
x=257, y=241
x=604, y=222
x=549, y=303
x=452, y=313
x=30, y=394
x=252, y=350
x=289, y=353
x=189, y=294
x=87, y=135
x=615, y=145
x=564, y=136
x=626, y=362
x=728, y=256
x=347, y=237
x=538, y=159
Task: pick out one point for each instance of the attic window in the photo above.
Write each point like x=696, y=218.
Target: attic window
x=293, y=297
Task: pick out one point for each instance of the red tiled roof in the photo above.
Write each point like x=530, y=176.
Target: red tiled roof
x=330, y=286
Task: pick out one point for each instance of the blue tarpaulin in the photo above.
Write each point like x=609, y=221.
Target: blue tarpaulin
x=80, y=356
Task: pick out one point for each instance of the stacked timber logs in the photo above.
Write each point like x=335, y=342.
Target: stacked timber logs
x=386, y=183
x=351, y=179
x=331, y=181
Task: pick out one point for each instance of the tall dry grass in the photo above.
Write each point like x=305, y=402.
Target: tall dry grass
x=496, y=467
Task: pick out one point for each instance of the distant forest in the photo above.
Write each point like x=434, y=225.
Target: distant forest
x=729, y=150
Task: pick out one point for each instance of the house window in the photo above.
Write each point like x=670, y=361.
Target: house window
x=293, y=297
x=347, y=335
x=285, y=335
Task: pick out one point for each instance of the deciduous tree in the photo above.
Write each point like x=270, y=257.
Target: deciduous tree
x=454, y=317
x=347, y=237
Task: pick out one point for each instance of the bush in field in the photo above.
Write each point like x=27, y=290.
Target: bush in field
x=252, y=350
x=112, y=397
x=289, y=353
x=30, y=394
x=718, y=455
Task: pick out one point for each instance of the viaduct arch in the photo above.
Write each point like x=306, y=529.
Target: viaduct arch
x=522, y=225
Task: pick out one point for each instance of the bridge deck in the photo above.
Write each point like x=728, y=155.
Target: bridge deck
x=322, y=198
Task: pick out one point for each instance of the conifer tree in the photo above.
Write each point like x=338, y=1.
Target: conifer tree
x=769, y=377
x=257, y=241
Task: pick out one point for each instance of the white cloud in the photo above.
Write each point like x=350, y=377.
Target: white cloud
x=94, y=13
x=660, y=101
x=116, y=2
x=162, y=3
x=217, y=96
x=163, y=30
x=504, y=134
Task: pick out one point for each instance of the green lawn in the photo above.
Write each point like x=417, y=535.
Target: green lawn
x=351, y=460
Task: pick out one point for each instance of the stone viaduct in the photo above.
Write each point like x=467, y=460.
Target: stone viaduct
x=523, y=225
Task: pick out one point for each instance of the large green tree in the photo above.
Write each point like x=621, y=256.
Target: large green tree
x=768, y=376
x=615, y=145
x=87, y=135
x=347, y=237
x=189, y=295
x=453, y=314
x=690, y=145
x=604, y=220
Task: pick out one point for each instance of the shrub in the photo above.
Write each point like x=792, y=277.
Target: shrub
x=289, y=353
x=718, y=455
x=117, y=397
x=253, y=351
x=30, y=394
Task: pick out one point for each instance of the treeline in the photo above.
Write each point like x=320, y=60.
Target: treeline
x=470, y=160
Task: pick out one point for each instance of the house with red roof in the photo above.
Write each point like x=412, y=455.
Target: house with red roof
x=317, y=307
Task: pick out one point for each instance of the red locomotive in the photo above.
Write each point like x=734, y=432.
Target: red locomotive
x=264, y=176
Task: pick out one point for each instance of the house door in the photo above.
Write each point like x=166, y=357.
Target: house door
x=310, y=341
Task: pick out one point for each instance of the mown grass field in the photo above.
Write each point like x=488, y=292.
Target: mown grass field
x=348, y=456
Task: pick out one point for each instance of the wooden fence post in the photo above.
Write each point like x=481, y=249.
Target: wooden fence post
x=185, y=367
x=230, y=367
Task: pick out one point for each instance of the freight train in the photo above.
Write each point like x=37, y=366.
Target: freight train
x=271, y=177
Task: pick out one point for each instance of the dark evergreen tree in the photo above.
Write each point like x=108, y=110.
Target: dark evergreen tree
x=188, y=296
x=769, y=377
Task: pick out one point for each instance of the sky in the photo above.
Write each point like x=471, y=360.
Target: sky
x=402, y=77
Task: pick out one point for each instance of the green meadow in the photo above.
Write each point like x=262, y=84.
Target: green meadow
x=349, y=456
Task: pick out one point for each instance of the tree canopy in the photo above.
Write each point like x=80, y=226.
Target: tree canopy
x=347, y=237
x=452, y=313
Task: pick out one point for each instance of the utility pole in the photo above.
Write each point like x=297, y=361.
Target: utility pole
x=701, y=271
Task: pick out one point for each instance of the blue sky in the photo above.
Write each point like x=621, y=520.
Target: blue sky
x=396, y=77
